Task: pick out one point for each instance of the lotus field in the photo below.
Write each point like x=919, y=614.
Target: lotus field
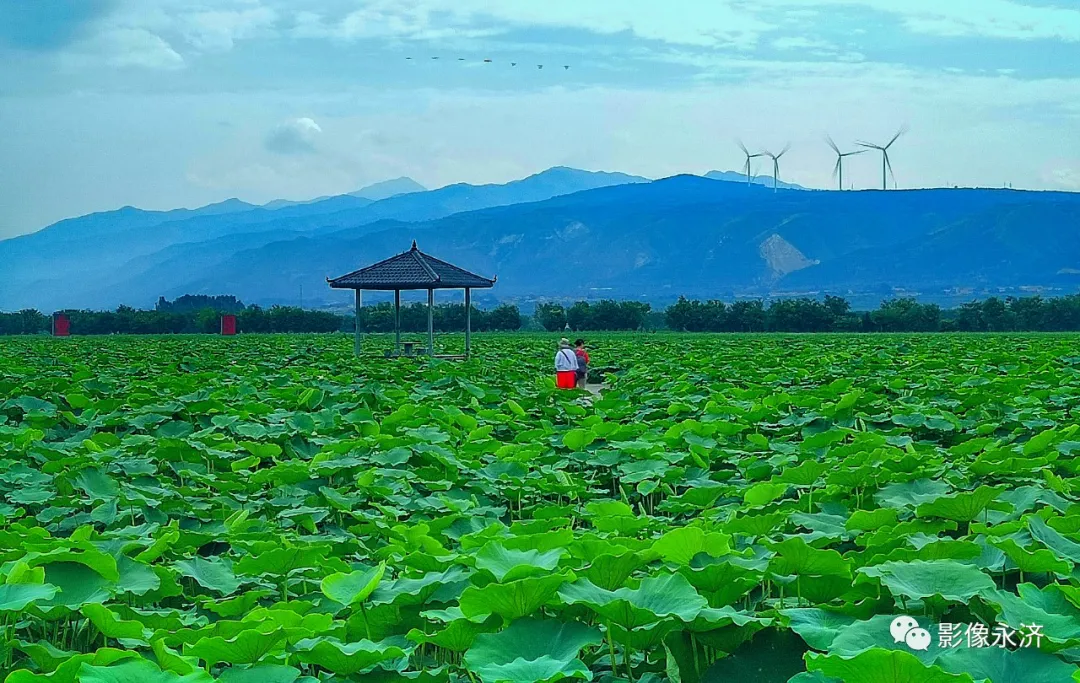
x=760, y=509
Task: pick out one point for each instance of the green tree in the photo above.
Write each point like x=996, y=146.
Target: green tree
x=552, y=317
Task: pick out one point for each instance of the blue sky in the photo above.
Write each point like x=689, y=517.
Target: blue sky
x=167, y=103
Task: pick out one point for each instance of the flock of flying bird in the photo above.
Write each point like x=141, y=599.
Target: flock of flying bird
x=838, y=170
x=490, y=61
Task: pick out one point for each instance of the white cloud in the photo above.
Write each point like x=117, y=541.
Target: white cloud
x=218, y=30
x=293, y=137
x=802, y=43
x=1007, y=19
x=122, y=47
x=717, y=23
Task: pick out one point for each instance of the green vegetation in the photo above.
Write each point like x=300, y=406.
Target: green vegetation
x=194, y=314
x=266, y=508
x=183, y=319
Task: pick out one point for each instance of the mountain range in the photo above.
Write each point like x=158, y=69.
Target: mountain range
x=567, y=234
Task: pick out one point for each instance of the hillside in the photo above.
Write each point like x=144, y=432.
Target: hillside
x=109, y=249
x=685, y=235
x=688, y=235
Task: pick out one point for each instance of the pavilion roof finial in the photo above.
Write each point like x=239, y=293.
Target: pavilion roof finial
x=414, y=245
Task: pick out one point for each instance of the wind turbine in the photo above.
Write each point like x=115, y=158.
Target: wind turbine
x=776, y=164
x=840, y=159
x=886, y=165
x=749, y=156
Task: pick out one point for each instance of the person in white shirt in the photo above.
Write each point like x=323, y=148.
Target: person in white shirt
x=566, y=365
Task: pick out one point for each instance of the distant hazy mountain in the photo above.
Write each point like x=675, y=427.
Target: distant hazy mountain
x=125, y=256
x=736, y=177
x=371, y=193
x=389, y=188
x=568, y=233
x=703, y=238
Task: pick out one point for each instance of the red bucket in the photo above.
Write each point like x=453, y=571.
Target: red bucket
x=566, y=380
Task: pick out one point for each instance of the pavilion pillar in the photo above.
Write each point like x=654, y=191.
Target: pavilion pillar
x=356, y=333
x=431, y=322
x=468, y=321
x=397, y=322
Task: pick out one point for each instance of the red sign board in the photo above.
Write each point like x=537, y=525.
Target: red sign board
x=228, y=324
x=61, y=325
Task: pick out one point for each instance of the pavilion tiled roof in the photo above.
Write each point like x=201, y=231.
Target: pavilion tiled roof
x=412, y=269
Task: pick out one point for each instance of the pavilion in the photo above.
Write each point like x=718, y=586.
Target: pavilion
x=410, y=271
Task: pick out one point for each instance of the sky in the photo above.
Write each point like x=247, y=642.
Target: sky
x=163, y=104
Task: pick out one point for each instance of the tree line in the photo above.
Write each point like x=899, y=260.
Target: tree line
x=200, y=314
x=601, y=315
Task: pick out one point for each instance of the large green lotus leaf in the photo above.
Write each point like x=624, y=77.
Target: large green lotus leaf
x=611, y=571
x=1054, y=598
x=1040, y=560
x=280, y=561
x=406, y=590
x=97, y=484
x=137, y=671
x=757, y=525
x=546, y=668
x=345, y=659
x=657, y=597
x=1053, y=540
x=532, y=650
x=174, y=430
x=438, y=675
x=616, y=516
x=45, y=656
x=711, y=619
x=805, y=474
x=112, y=626
x=79, y=585
x=578, y=439
x=875, y=632
x=260, y=673
x=135, y=577
x=911, y=493
x=171, y=660
x=823, y=525
x=999, y=665
x=1031, y=607
x=683, y=544
x=15, y=597
x=459, y=634
x=296, y=625
x=763, y=493
x=813, y=677
x=871, y=520
x=354, y=587
x=509, y=565
x=960, y=507
x=511, y=600
x=247, y=647
x=721, y=582
x=69, y=670
x=881, y=666
x=102, y=563
x=818, y=627
x=795, y=558
x=215, y=574
x=947, y=578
